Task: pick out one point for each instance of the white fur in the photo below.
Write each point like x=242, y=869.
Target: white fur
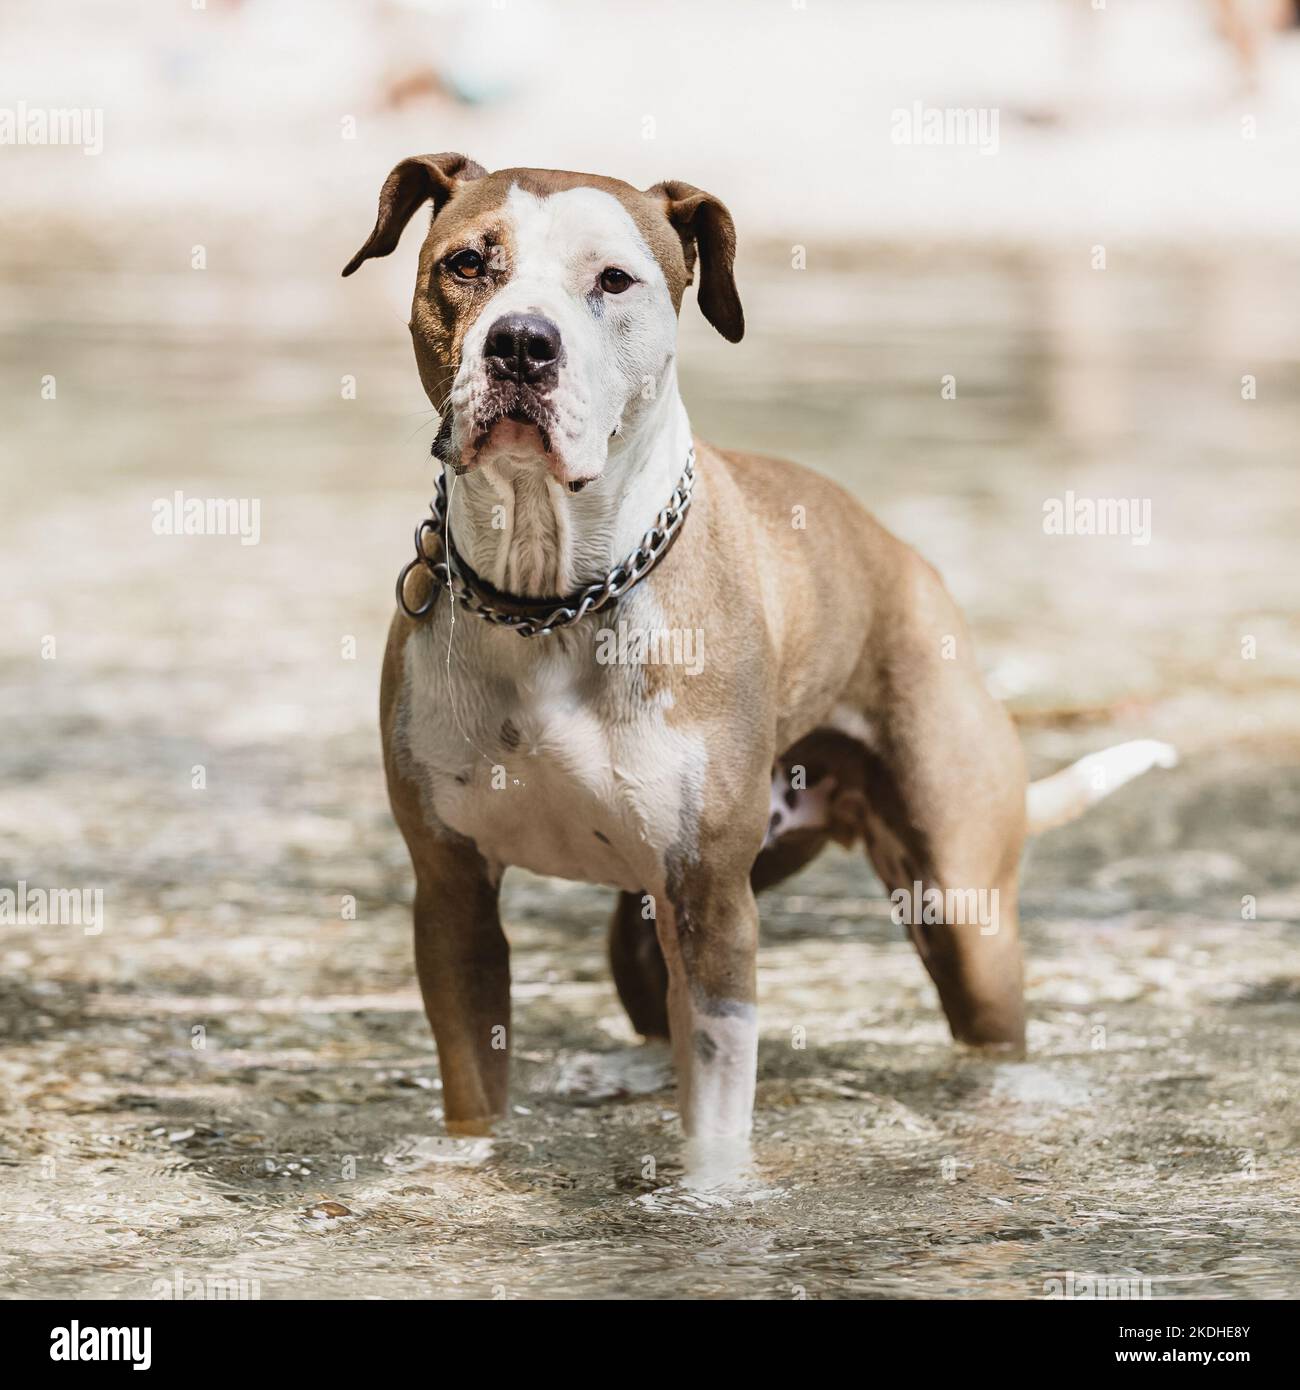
x=717, y=1097
x=1054, y=800
x=622, y=425
x=811, y=809
x=853, y=724
x=592, y=754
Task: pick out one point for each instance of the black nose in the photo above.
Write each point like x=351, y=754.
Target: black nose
x=522, y=347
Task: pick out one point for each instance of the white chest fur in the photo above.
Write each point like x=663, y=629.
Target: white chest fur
x=545, y=758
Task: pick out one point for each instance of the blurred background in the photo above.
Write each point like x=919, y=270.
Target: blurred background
x=1108, y=272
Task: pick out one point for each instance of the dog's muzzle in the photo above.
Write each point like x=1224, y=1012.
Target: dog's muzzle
x=521, y=360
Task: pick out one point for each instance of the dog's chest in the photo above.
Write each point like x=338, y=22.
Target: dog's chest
x=544, y=760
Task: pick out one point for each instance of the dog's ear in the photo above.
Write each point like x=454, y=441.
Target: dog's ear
x=703, y=223
x=412, y=183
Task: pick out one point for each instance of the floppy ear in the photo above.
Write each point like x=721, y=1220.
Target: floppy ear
x=411, y=184
x=703, y=223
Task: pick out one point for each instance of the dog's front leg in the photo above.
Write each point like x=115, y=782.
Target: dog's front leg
x=708, y=929
x=463, y=961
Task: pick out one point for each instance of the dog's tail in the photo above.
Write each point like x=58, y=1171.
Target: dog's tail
x=1063, y=796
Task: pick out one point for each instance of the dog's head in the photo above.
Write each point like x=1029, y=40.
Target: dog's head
x=545, y=312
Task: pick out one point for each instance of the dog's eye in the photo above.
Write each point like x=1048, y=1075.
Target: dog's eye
x=466, y=265
x=614, y=281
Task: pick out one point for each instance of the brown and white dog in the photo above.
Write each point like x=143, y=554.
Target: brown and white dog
x=833, y=691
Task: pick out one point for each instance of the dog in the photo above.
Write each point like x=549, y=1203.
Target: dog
x=833, y=691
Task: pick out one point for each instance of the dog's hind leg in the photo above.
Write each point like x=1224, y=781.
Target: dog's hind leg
x=944, y=788
x=637, y=960
x=952, y=884
x=779, y=861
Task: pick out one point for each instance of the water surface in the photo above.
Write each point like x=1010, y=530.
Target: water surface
x=182, y=1091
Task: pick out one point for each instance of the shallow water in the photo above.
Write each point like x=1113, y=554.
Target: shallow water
x=182, y=1091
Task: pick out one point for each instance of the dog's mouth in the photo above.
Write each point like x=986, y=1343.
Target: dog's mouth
x=529, y=424
x=515, y=426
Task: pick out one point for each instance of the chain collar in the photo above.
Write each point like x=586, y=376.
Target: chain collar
x=535, y=617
